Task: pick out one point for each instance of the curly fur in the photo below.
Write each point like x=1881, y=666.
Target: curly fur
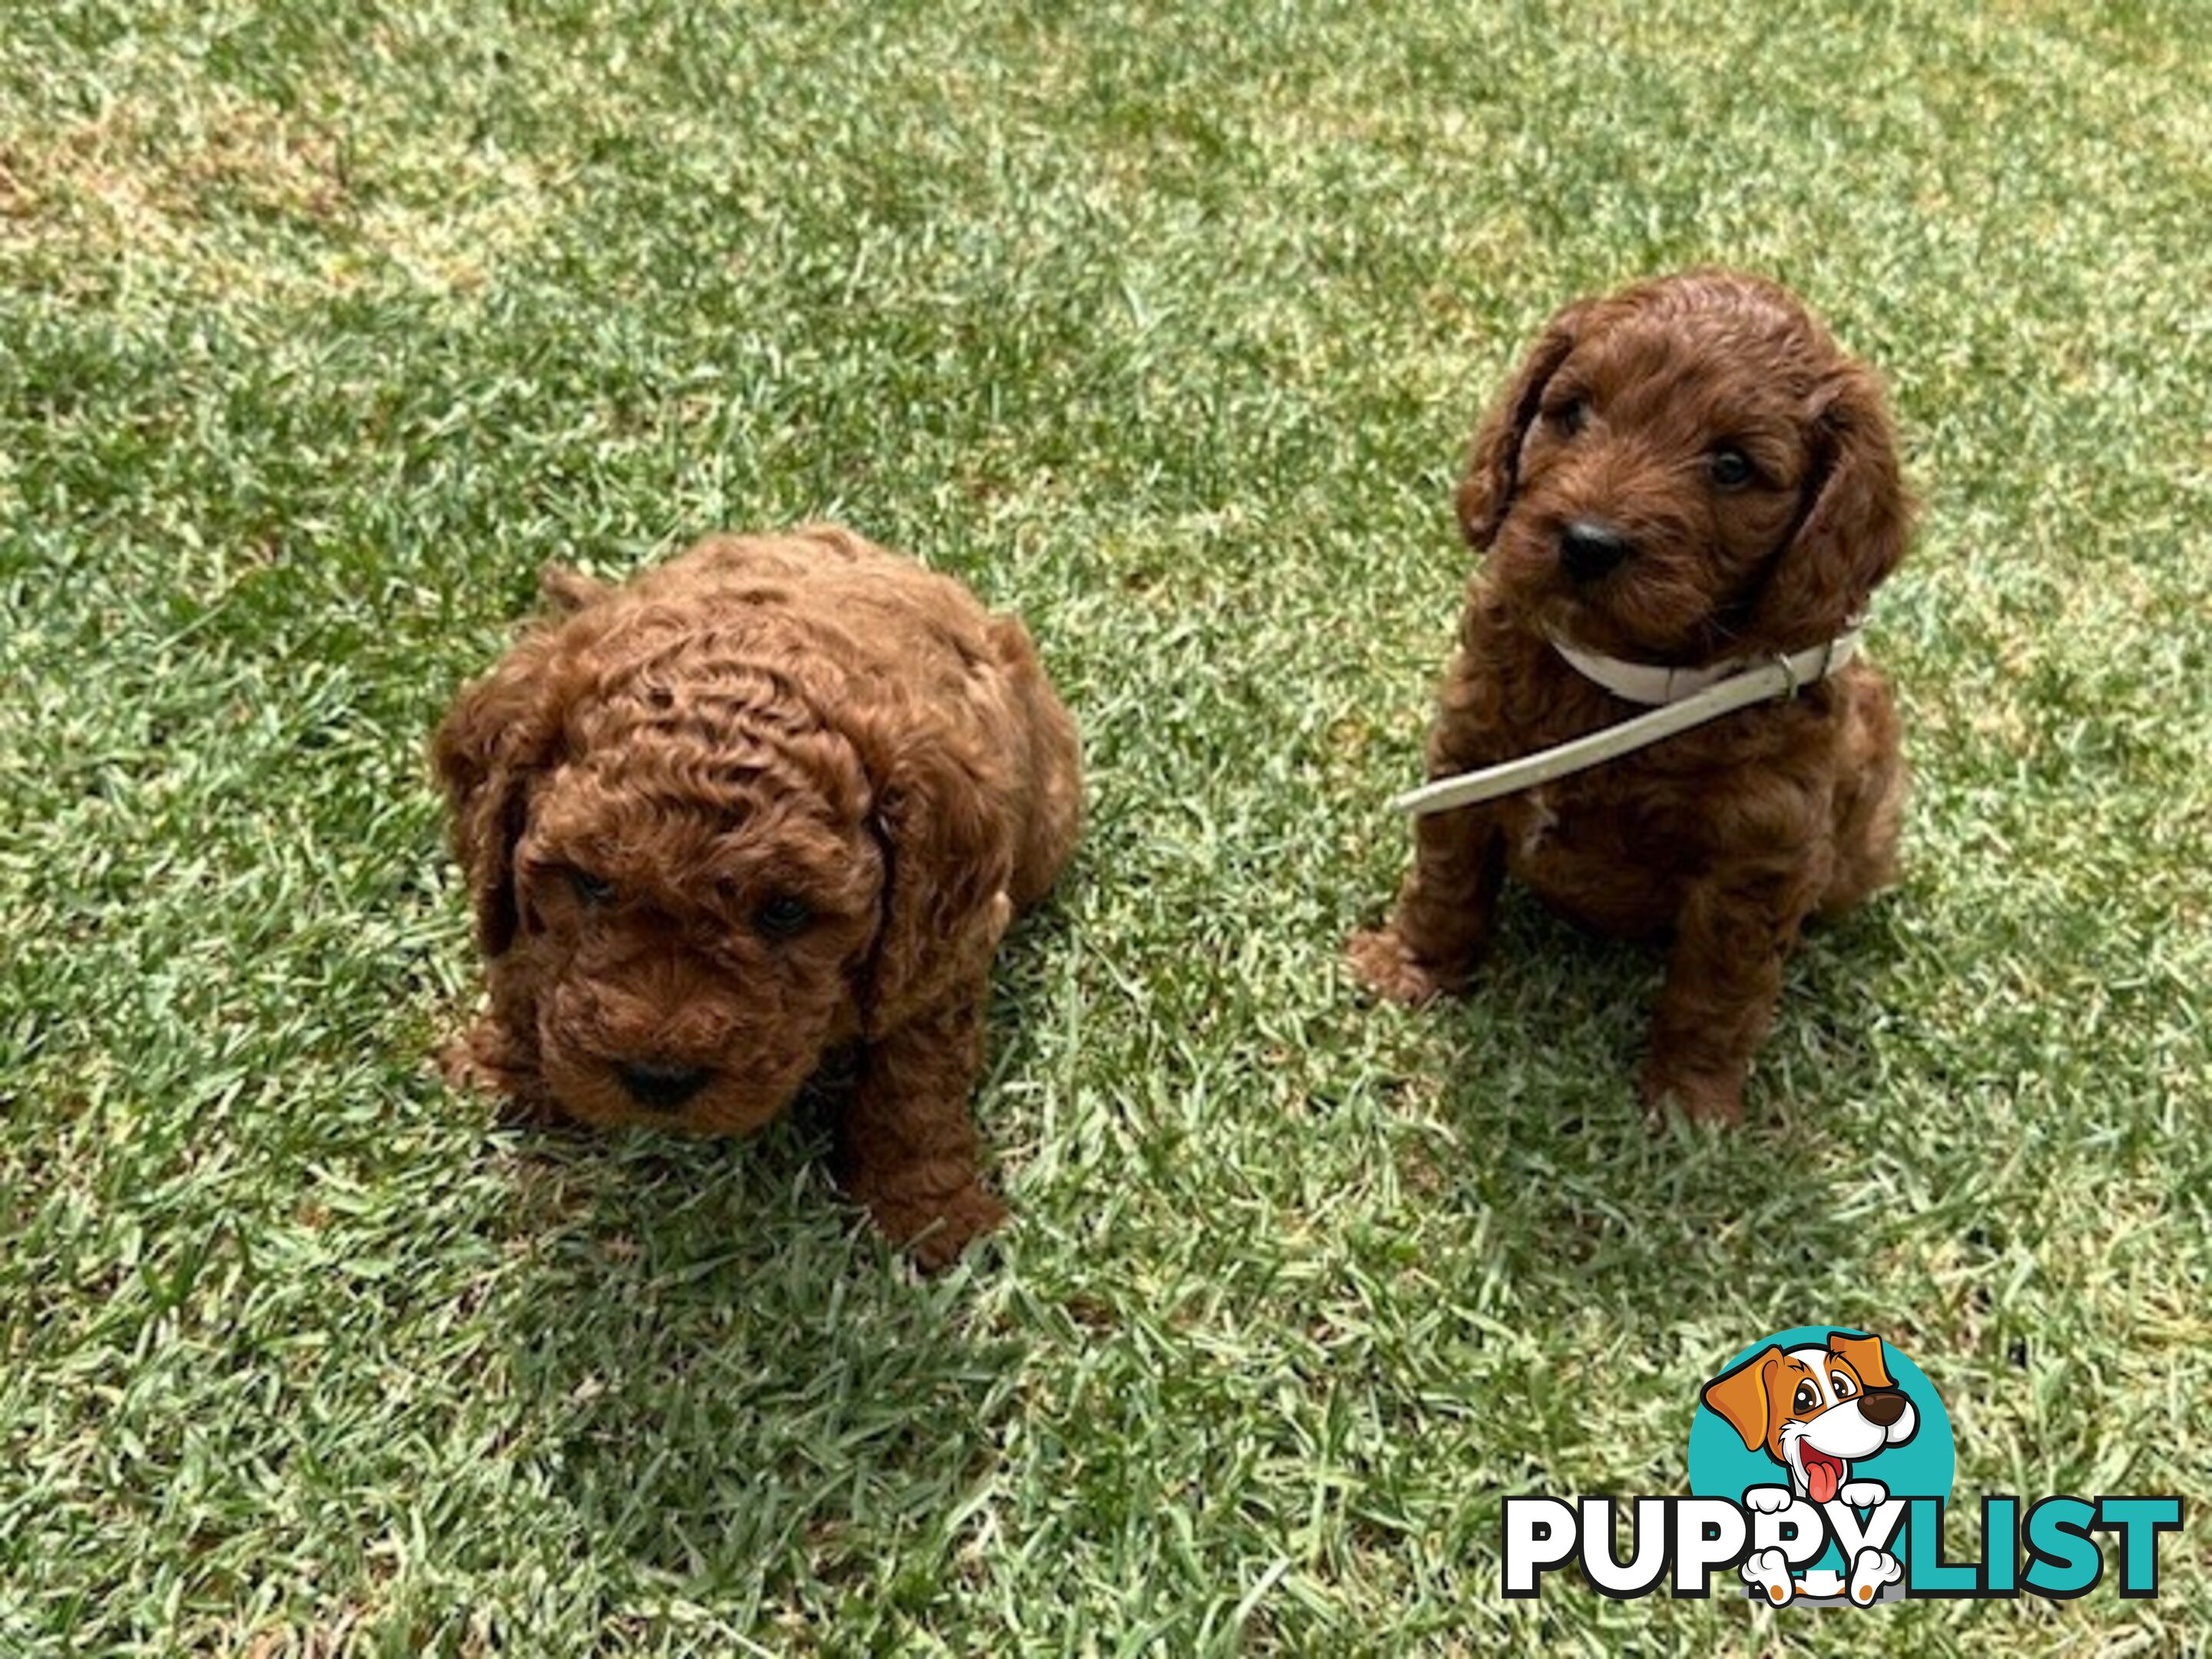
x=778, y=796
x=1727, y=837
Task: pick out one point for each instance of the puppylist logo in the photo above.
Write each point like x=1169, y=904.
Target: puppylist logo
x=1820, y=1463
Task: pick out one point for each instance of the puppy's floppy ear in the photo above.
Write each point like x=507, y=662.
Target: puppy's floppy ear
x=1486, y=491
x=948, y=858
x=1863, y=1354
x=1739, y=1397
x=1852, y=531
x=498, y=734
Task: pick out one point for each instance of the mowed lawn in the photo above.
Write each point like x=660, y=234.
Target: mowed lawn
x=323, y=325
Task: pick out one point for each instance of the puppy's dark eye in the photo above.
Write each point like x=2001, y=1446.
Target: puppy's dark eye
x=1842, y=1386
x=783, y=916
x=1731, y=467
x=591, y=890
x=1806, y=1398
x=1571, y=415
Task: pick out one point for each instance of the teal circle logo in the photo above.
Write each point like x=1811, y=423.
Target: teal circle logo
x=1821, y=1414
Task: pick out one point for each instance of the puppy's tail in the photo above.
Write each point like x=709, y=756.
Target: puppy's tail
x=1869, y=799
x=1053, y=771
x=569, y=591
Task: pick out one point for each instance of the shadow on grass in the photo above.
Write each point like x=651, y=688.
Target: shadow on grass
x=1599, y=1207
x=738, y=1386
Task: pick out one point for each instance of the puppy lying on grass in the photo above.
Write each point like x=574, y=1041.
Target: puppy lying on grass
x=1690, y=476
x=778, y=796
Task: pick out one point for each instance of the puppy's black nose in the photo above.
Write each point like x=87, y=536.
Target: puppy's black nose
x=1882, y=1407
x=1589, y=548
x=660, y=1085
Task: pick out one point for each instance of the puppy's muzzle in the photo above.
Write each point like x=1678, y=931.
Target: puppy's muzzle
x=660, y=1086
x=1882, y=1407
x=1589, y=548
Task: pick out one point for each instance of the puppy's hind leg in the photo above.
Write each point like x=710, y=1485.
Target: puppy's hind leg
x=1870, y=1572
x=1723, y=974
x=1768, y=1570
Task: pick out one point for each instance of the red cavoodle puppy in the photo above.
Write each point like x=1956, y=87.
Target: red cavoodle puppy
x=1686, y=473
x=778, y=796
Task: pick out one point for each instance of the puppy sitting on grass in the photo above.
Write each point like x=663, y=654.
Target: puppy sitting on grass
x=779, y=796
x=1684, y=479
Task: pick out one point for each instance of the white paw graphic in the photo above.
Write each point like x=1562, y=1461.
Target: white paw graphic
x=1769, y=1570
x=1863, y=1494
x=1766, y=1500
x=1870, y=1571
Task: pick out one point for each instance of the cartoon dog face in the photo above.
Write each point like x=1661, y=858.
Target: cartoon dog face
x=1814, y=1410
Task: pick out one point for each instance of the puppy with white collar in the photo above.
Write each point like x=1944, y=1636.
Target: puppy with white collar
x=1815, y=1410
x=1684, y=498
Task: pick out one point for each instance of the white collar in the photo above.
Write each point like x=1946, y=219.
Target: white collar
x=1686, y=697
x=1655, y=684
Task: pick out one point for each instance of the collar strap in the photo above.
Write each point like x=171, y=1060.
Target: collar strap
x=1652, y=683
x=1686, y=697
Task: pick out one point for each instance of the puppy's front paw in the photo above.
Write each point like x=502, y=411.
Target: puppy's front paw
x=1703, y=1097
x=471, y=1061
x=1766, y=1500
x=1382, y=961
x=934, y=1231
x=485, y=1060
x=1863, y=1494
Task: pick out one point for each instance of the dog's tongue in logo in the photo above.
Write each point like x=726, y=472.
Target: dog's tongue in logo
x=1823, y=1475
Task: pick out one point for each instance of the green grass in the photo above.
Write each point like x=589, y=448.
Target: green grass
x=322, y=326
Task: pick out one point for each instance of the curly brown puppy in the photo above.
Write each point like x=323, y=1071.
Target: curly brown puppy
x=777, y=796
x=1687, y=473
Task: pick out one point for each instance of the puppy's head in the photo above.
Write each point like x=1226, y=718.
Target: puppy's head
x=1687, y=470
x=699, y=860
x=1815, y=1410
